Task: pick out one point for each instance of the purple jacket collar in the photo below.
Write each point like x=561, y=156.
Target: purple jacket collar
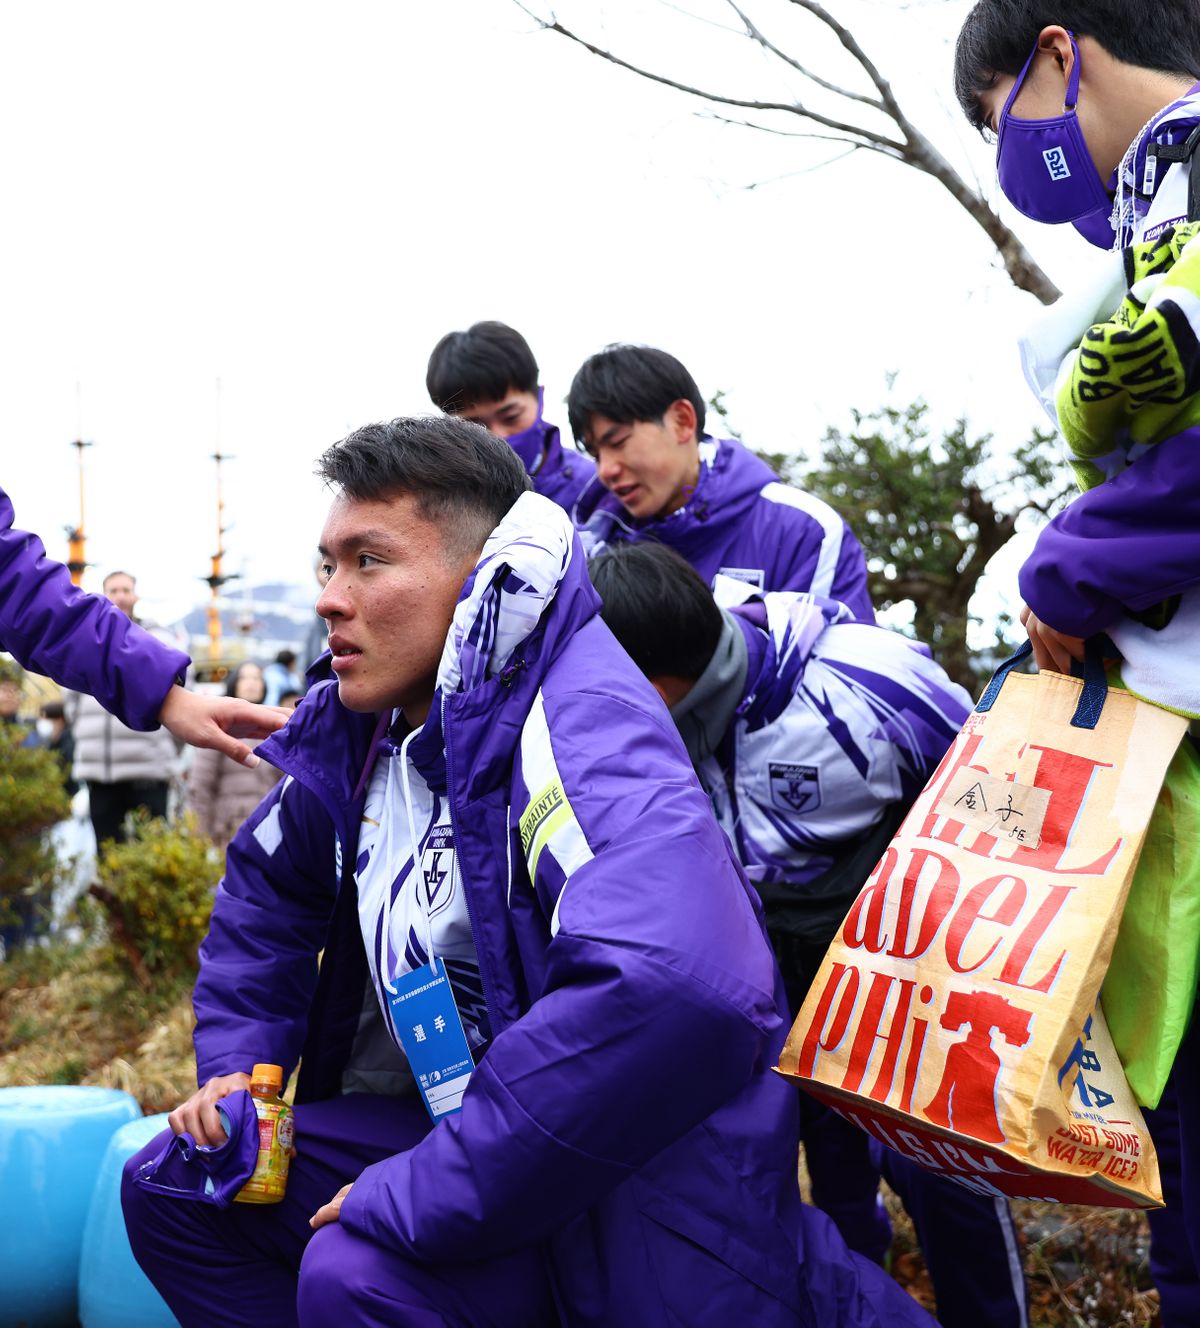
x=731, y=479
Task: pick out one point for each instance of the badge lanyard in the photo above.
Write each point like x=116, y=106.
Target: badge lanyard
x=421, y=1003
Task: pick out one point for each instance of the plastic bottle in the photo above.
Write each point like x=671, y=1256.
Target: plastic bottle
x=275, y=1132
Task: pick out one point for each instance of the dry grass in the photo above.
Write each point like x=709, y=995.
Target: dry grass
x=161, y=1071
x=1085, y=1267
x=76, y=1016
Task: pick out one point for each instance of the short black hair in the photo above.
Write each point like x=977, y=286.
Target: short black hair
x=630, y=383
x=53, y=710
x=484, y=363
x=658, y=608
x=286, y=657
x=998, y=35
x=461, y=476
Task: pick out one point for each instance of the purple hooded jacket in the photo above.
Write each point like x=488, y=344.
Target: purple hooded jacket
x=866, y=712
x=81, y=641
x=624, y=1116
x=744, y=522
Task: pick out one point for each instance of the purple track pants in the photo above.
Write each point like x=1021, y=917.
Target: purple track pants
x=262, y=1265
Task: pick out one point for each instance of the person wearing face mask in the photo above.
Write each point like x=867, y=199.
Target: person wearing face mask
x=1096, y=111
x=55, y=733
x=1094, y=107
x=488, y=375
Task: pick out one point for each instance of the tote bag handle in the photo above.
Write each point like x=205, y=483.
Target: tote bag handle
x=1095, y=683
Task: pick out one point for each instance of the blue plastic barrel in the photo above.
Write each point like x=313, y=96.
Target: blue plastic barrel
x=52, y=1140
x=113, y=1290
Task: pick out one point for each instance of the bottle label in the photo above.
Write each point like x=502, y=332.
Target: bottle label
x=275, y=1133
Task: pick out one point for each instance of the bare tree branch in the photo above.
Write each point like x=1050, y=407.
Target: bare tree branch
x=913, y=148
x=790, y=108
x=799, y=133
x=756, y=34
x=699, y=18
x=850, y=42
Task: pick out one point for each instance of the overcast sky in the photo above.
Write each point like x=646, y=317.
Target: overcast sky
x=298, y=199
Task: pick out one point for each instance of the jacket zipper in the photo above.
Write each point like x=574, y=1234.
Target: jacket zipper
x=485, y=969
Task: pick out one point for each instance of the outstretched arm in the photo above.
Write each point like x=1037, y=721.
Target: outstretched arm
x=87, y=644
x=219, y=721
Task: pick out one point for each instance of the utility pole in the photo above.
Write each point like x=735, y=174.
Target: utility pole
x=76, y=538
x=217, y=576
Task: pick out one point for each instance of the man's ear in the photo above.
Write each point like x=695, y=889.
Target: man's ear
x=1056, y=41
x=671, y=688
x=680, y=419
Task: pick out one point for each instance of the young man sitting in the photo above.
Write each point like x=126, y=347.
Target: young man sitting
x=488, y=375
x=812, y=734
x=491, y=794
x=660, y=477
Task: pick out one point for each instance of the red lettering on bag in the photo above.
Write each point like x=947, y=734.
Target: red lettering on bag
x=1031, y=934
x=817, y=1040
x=966, y=1098
x=950, y=764
x=912, y=1063
x=870, y=1030
x=863, y=928
x=941, y=900
x=1068, y=778
x=971, y=911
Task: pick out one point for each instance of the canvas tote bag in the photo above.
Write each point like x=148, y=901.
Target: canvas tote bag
x=956, y=1015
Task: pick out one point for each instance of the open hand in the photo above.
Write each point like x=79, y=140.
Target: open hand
x=219, y=721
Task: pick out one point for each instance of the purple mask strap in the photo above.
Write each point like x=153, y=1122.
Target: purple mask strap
x=1073, y=81
x=1016, y=87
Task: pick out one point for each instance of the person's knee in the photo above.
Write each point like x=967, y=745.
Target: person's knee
x=346, y=1278
x=327, y=1279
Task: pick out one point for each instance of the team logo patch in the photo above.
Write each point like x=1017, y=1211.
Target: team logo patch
x=752, y=576
x=437, y=869
x=1056, y=163
x=795, y=788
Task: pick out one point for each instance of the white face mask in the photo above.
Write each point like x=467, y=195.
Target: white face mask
x=45, y=729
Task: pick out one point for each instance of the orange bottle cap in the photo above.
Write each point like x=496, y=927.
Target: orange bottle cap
x=267, y=1074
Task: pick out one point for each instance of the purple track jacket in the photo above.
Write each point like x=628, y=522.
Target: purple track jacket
x=624, y=1116
x=742, y=521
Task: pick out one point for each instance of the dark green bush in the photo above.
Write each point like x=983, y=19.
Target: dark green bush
x=157, y=890
x=32, y=799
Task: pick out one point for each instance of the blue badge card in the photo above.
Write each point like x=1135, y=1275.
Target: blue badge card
x=431, y=1033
